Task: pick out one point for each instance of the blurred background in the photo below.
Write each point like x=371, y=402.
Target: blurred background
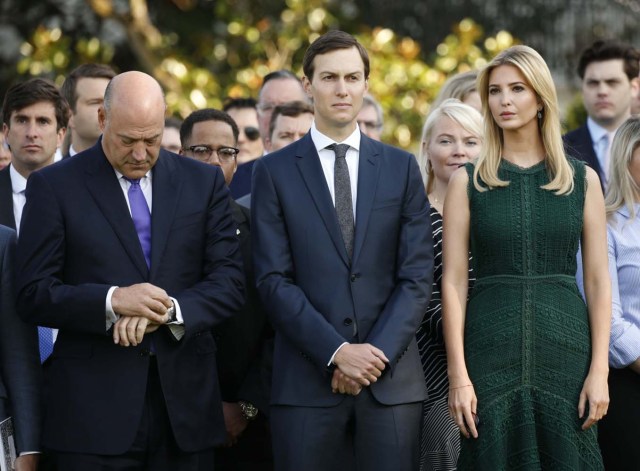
x=203, y=51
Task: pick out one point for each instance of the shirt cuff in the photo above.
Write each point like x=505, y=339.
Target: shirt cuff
x=335, y=353
x=30, y=453
x=111, y=316
x=177, y=327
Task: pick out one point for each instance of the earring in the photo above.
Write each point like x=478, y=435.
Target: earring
x=539, y=114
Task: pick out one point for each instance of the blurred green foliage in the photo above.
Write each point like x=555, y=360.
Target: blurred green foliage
x=204, y=52
x=576, y=113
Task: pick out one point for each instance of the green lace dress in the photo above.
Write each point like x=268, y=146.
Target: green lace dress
x=527, y=336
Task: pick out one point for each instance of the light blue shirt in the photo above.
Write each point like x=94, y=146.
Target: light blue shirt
x=623, y=234
x=602, y=140
x=623, y=237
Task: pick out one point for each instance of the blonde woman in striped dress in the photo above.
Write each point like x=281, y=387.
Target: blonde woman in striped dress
x=451, y=137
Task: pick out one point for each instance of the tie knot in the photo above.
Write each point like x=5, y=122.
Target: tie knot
x=339, y=149
x=133, y=181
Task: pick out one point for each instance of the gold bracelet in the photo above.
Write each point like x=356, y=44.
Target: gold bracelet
x=459, y=387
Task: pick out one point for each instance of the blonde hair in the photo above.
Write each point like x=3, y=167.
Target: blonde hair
x=622, y=190
x=457, y=86
x=464, y=115
x=536, y=73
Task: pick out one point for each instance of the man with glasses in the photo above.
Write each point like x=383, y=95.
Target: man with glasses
x=243, y=341
x=278, y=87
x=370, y=119
x=243, y=112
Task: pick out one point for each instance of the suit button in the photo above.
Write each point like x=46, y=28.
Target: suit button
x=348, y=321
x=353, y=278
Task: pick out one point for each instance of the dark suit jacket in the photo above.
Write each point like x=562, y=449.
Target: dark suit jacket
x=20, y=384
x=314, y=295
x=77, y=240
x=245, y=341
x=241, y=183
x=6, y=199
x=578, y=144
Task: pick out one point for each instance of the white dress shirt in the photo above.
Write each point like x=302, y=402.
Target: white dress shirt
x=18, y=186
x=327, y=160
x=177, y=327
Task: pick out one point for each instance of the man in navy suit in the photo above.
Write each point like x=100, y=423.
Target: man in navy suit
x=35, y=117
x=245, y=342
x=609, y=74
x=20, y=387
x=131, y=252
x=343, y=263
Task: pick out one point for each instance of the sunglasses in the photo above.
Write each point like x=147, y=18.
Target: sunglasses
x=252, y=133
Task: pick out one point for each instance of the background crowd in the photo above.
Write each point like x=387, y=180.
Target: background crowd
x=511, y=221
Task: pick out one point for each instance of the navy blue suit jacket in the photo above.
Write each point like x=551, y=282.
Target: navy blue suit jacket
x=77, y=240
x=578, y=144
x=314, y=295
x=6, y=199
x=20, y=384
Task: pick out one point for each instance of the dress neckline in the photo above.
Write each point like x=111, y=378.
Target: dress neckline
x=510, y=166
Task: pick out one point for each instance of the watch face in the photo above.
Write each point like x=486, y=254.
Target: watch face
x=249, y=410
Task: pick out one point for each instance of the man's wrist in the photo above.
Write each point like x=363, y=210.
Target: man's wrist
x=171, y=313
x=249, y=411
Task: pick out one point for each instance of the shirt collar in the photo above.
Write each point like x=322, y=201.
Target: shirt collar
x=321, y=141
x=596, y=131
x=18, y=182
x=624, y=210
x=119, y=175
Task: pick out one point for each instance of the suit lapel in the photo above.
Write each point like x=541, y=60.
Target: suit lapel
x=6, y=199
x=588, y=151
x=103, y=185
x=368, y=172
x=166, y=192
x=313, y=175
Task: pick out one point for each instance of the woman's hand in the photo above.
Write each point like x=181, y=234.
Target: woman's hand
x=462, y=407
x=595, y=391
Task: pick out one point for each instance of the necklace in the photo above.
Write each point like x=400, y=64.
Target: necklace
x=434, y=198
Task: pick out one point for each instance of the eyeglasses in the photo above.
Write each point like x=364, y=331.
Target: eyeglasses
x=252, y=133
x=370, y=124
x=204, y=153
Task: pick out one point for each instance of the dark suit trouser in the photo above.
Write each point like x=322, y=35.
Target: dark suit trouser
x=618, y=431
x=357, y=434
x=251, y=453
x=154, y=448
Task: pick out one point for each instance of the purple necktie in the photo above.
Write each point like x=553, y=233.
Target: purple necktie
x=45, y=342
x=141, y=217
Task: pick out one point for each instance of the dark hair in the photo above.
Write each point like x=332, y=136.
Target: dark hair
x=91, y=70
x=279, y=75
x=292, y=109
x=172, y=122
x=207, y=114
x=33, y=91
x=239, y=103
x=329, y=42
x=608, y=50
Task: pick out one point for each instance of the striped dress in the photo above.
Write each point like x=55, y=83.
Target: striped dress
x=440, y=436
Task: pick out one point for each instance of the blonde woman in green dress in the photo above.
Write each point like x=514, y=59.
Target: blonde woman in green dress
x=527, y=359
